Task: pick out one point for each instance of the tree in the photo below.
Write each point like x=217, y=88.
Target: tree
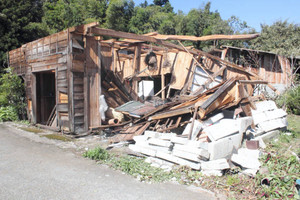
x=281, y=38
x=61, y=14
x=118, y=14
x=152, y=18
x=160, y=2
x=19, y=24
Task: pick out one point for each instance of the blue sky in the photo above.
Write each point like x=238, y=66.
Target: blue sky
x=254, y=12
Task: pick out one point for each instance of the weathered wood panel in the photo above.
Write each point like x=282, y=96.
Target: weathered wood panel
x=93, y=78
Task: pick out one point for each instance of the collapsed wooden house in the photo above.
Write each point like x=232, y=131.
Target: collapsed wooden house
x=276, y=69
x=66, y=73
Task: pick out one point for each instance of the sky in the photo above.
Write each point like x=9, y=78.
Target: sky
x=254, y=12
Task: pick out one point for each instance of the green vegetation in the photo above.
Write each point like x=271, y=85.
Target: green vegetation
x=32, y=129
x=97, y=154
x=129, y=164
x=12, y=101
x=290, y=100
x=8, y=113
x=57, y=137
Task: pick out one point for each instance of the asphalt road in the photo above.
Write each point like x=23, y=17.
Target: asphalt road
x=31, y=168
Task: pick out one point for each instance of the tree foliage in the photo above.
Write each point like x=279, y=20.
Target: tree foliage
x=281, y=38
x=118, y=14
x=19, y=24
x=26, y=20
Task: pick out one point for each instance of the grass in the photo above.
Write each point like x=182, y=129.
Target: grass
x=32, y=129
x=130, y=165
x=57, y=137
x=294, y=124
x=279, y=161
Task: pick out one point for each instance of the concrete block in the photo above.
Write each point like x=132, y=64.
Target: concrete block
x=180, y=161
x=246, y=158
x=163, y=136
x=139, y=138
x=214, y=119
x=224, y=147
x=273, y=124
x=159, y=148
x=143, y=150
x=268, y=115
x=244, y=123
x=179, y=140
x=186, y=155
x=159, y=142
x=268, y=136
x=223, y=128
x=265, y=105
x=202, y=154
x=197, y=144
x=196, y=129
x=219, y=164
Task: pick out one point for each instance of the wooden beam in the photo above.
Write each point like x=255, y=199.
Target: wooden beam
x=120, y=34
x=253, y=82
x=83, y=28
x=207, y=37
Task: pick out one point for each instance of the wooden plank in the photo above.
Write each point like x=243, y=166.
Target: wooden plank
x=46, y=58
x=207, y=37
x=62, y=107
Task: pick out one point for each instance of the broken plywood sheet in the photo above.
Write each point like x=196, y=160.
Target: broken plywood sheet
x=181, y=71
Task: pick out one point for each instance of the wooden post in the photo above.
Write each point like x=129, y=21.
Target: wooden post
x=193, y=122
x=33, y=98
x=70, y=84
x=136, y=64
x=99, y=72
x=163, y=93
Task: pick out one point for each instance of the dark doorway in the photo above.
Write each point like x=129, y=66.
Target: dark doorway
x=45, y=95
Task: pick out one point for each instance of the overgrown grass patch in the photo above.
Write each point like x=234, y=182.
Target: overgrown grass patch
x=130, y=165
x=57, y=137
x=31, y=129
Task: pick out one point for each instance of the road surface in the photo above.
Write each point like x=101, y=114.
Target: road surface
x=31, y=168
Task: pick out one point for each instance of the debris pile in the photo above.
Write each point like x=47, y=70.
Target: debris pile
x=204, y=132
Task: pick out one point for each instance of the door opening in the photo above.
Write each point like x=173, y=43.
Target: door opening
x=45, y=95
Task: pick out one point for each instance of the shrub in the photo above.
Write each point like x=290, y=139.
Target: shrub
x=12, y=96
x=8, y=113
x=97, y=154
x=290, y=100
